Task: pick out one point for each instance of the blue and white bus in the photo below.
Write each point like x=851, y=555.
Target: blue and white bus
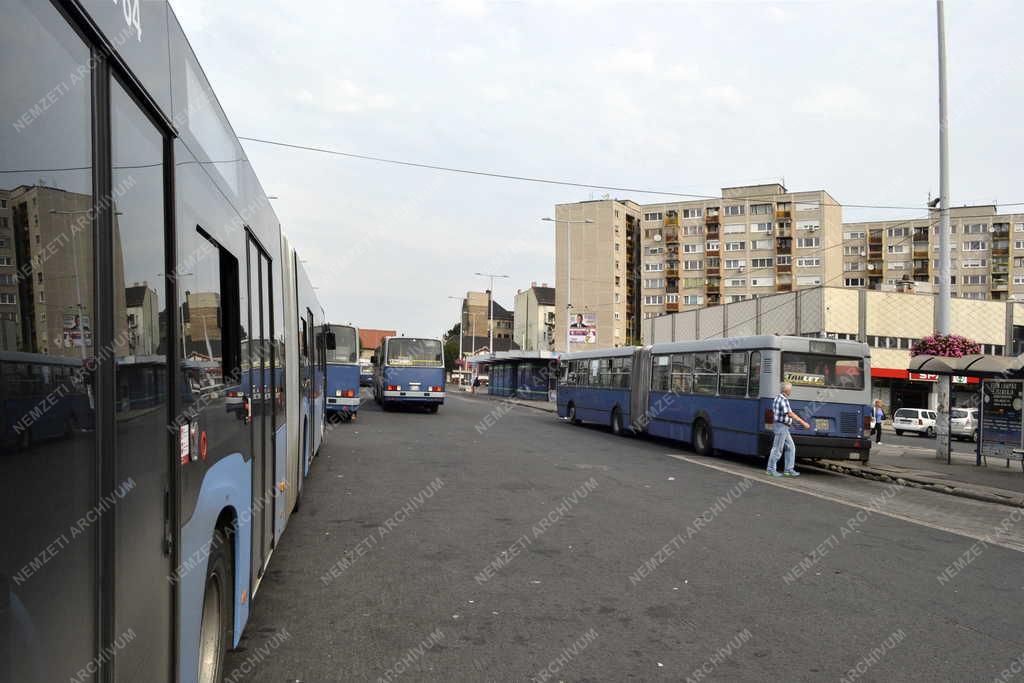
x=158, y=407
x=342, y=371
x=717, y=394
x=409, y=371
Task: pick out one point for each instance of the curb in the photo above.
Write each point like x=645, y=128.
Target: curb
x=510, y=399
x=973, y=492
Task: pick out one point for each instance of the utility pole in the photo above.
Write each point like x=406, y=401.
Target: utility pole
x=568, y=273
x=490, y=310
x=462, y=333
x=942, y=309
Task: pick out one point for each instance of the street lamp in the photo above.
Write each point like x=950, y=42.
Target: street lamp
x=490, y=312
x=461, y=334
x=568, y=267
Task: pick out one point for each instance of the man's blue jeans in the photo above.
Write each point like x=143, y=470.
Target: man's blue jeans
x=783, y=443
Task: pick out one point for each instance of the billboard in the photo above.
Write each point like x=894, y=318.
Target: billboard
x=582, y=328
x=1002, y=419
x=76, y=331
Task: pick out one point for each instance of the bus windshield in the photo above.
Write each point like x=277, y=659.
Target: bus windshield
x=820, y=371
x=346, y=345
x=404, y=351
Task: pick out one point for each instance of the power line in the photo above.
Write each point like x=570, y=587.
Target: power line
x=550, y=181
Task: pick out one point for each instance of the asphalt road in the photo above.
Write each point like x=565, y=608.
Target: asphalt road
x=646, y=566
x=914, y=441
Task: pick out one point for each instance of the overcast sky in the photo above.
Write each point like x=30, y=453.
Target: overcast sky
x=682, y=97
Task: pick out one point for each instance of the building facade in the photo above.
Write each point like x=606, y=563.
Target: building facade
x=534, y=318
x=476, y=323
x=987, y=253
x=602, y=257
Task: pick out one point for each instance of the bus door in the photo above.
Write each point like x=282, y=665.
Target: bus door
x=307, y=386
x=261, y=392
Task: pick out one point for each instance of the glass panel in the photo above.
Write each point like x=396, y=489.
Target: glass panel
x=813, y=370
x=733, y=378
x=410, y=351
x=142, y=593
x=754, y=387
x=48, y=541
x=660, y=376
x=346, y=345
x=705, y=372
x=682, y=373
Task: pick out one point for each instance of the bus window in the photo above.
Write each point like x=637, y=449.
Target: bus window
x=705, y=372
x=627, y=372
x=660, y=374
x=605, y=372
x=754, y=373
x=813, y=370
x=733, y=378
x=682, y=373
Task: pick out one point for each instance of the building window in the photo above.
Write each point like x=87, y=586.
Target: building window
x=617, y=246
x=975, y=245
x=760, y=210
x=853, y=235
x=852, y=250
x=899, y=232
x=1018, y=227
x=690, y=230
x=693, y=213
x=713, y=245
x=761, y=227
x=852, y=266
x=898, y=265
x=762, y=281
x=654, y=300
x=975, y=228
x=618, y=298
x=653, y=216
x=808, y=242
x=735, y=210
x=693, y=265
x=693, y=300
x=735, y=246
x=975, y=279
x=896, y=248
x=734, y=228
x=654, y=267
x=735, y=263
x=6, y=298
x=736, y=282
x=654, y=251
x=808, y=262
x=784, y=260
x=854, y=281
x=761, y=263
x=693, y=248
x=808, y=225
x=671, y=298
x=654, y=283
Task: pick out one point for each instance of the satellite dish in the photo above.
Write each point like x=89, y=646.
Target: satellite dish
x=657, y=237
x=871, y=266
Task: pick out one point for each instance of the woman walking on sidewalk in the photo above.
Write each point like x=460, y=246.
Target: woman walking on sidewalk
x=879, y=415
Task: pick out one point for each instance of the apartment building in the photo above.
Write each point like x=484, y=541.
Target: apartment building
x=477, y=324
x=752, y=241
x=987, y=253
x=534, y=318
x=9, y=317
x=601, y=261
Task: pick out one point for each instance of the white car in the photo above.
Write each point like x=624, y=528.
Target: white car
x=917, y=420
x=963, y=423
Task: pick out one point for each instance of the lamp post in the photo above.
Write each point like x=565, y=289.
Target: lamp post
x=461, y=335
x=490, y=311
x=568, y=269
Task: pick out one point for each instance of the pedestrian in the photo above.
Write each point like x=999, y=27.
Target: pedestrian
x=476, y=383
x=783, y=442
x=879, y=416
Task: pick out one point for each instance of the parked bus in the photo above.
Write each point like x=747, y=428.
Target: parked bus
x=409, y=371
x=151, y=376
x=343, y=371
x=717, y=394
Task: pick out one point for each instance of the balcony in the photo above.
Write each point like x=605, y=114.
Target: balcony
x=783, y=267
x=921, y=235
x=672, y=272
x=671, y=237
x=1000, y=286
x=920, y=253
x=672, y=307
x=875, y=237
x=783, y=214
x=672, y=289
x=671, y=218
x=783, y=286
x=783, y=231
x=711, y=219
x=1000, y=249
x=713, y=252
x=693, y=282
x=783, y=245
x=714, y=299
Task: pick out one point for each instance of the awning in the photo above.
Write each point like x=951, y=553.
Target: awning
x=972, y=365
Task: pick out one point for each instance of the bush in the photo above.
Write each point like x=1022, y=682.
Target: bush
x=948, y=346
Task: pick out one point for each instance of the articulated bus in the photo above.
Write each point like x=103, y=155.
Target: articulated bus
x=409, y=371
x=161, y=379
x=717, y=394
x=343, y=371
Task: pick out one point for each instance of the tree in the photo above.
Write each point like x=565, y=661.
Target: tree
x=947, y=346
x=451, y=347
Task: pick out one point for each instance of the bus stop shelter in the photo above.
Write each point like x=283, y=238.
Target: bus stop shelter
x=528, y=375
x=1000, y=402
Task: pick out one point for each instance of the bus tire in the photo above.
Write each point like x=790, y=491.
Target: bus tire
x=571, y=414
x=702, y=437
x=216, y=626
x=433, y=408
x=930, y=432
x=617, y=429
x=899, y=432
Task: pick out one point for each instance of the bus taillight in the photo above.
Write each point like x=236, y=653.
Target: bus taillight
x=437, y=388
x=769, y=418
x=349, y=393
x=394, y=387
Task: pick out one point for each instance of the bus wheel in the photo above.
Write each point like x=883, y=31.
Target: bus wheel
x=216, y=627
x=702, y=438
x=572, y=414
x=433, y=408
x=616, y=422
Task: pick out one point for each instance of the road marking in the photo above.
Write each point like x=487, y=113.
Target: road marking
x=792, y=485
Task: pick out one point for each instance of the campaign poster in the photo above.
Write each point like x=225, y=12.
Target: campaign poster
x=1001, y=417
x=582, y=328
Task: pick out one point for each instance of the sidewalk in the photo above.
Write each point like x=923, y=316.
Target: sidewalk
x=482, y=393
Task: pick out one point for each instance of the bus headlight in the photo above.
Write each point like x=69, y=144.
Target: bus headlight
x=338, y=393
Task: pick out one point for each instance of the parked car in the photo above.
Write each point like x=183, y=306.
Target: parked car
x=917, y=420
x=963, y=423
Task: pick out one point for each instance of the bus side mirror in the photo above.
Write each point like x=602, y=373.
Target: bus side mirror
x=373, y=359
x=330, y=341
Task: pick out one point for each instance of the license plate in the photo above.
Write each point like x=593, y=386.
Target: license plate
x=821, y=424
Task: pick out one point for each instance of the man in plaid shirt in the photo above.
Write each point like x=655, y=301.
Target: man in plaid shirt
x=783, y=442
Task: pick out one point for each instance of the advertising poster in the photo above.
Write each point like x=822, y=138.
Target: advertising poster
x=1001, y=417
x=583, y=328
x=76, y=331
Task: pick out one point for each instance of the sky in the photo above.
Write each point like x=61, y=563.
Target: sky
x=681, y=97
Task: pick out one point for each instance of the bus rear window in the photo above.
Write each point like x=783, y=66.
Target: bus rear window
x=819, y=371
x=346, y=346
x=414, y=352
